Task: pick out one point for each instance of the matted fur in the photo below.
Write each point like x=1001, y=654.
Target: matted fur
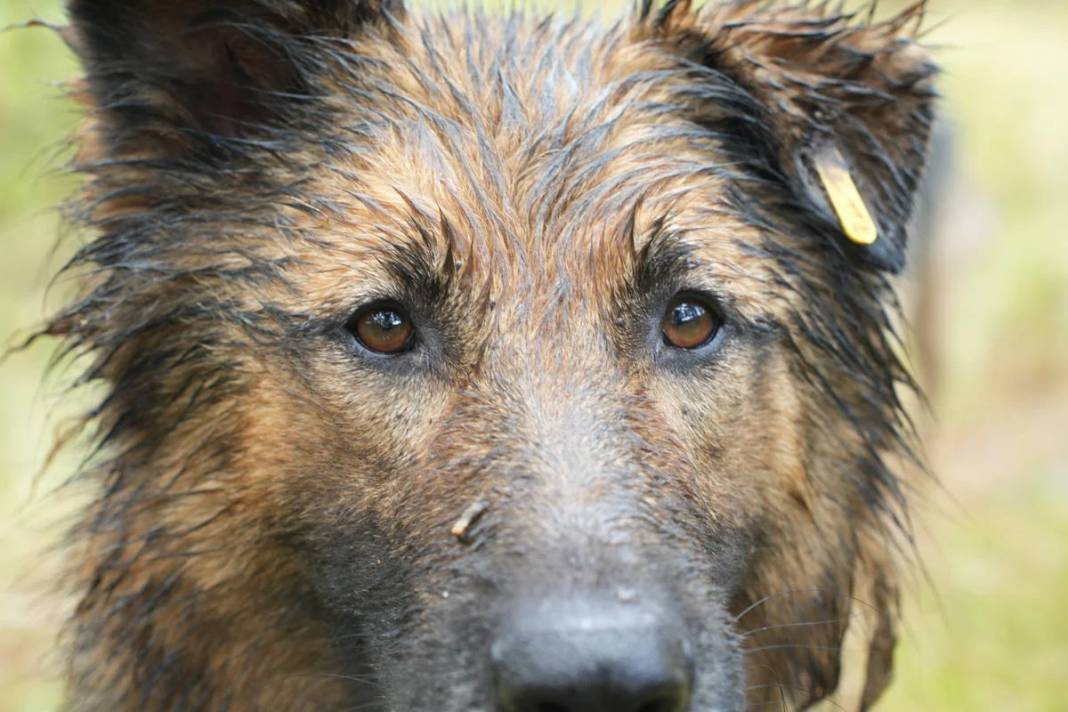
x=271, y=522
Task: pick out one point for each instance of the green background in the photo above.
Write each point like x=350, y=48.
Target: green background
x=987, y=621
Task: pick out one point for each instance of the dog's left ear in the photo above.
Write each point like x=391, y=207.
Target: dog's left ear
x=169, y=73
x=840, y=107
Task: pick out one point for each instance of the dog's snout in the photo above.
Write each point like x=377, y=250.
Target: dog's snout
x=588, y=656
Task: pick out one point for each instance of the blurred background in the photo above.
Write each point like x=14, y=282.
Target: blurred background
x=986, y=627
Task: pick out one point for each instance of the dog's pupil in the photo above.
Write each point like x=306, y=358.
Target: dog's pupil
x=687, y=314
x=387, y=320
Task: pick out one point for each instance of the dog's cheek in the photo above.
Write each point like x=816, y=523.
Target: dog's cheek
x=731, y=419
x=337, y=478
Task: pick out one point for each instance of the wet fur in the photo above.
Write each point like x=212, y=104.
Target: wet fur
x=270, y=525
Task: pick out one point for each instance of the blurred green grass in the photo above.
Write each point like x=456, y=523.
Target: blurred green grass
x=991, y=629
x=33, y=122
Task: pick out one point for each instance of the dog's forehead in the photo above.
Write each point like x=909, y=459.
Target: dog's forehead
x=549, y=149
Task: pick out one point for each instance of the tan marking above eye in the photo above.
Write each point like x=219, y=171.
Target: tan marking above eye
x=384, y=329
x=689, y=323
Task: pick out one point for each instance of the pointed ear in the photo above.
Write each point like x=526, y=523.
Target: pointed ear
x=174, y=72
x=844, y=107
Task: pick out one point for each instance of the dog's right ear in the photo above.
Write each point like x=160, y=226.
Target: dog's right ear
x=165, y=74
x=836, y=106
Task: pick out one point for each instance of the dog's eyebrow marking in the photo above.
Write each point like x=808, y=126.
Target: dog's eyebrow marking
x=662, y=258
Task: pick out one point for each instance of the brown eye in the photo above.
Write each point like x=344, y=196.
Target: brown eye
x=689, y=323
x=384, y=329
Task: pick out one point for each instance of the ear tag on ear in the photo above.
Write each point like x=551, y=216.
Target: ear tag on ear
x=853, y=214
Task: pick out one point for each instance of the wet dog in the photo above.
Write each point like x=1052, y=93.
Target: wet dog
x=467, y=362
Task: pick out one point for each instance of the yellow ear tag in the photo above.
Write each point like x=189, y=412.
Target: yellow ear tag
x=852, y=213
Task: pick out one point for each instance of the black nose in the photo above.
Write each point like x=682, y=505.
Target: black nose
x=590, y=656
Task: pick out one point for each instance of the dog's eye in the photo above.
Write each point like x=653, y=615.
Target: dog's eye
x=689, y=323
x=383, y=328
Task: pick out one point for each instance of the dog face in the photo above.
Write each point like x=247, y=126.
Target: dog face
x=475, y=363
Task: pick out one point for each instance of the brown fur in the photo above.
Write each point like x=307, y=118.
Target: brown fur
x=531, y=188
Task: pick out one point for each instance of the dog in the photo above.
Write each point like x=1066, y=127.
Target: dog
x=460, y=362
